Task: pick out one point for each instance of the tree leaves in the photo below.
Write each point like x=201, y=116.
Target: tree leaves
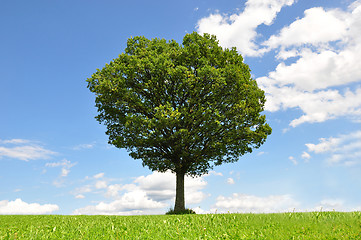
x=184, y=108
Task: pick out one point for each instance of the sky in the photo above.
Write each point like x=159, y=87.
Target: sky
x=54, y=156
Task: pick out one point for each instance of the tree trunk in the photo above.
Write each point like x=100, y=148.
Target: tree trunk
x=179, y=196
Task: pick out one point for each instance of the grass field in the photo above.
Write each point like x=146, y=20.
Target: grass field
x=312, y=225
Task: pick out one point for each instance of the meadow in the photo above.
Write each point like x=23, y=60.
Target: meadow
x=294, y=225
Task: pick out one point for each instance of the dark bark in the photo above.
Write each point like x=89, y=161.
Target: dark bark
x=179, y=197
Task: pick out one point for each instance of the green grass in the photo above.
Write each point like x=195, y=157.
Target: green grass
x=313, y=225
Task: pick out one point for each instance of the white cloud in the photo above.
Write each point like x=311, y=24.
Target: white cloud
x=99, y=175
x=325, y=145
x=214, y=173
x=79, y=196
x=114, y=190
x=20, y=207
x=30, y=151
x=65, y=165
x=101, y=184
x=306, y=156
x=318, y=70
x=193, y=187
x=286, y=54
x=64, y=172
x=132, y=203
x=199, y=210
x=293, y=160
x=230, y=181
x=306, y=84
x=14, y=141
x=317, y=106
x=84, y=146
x=145, y=195
x=317, y=27
x=58, y=164
x=243, y=203
x=345, y=149
x=239, y=30
x=159, y=186
x=162, y=186
x=330, y=205
x=82, y=190
x=260, y=153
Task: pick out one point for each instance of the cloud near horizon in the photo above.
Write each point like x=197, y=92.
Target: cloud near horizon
x=154, y=194
x=150, y=194
x=20, y=207
x=243, y=203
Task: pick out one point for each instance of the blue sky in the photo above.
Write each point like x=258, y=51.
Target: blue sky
x=54, y=156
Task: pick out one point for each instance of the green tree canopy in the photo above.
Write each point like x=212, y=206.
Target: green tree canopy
x=184, y=108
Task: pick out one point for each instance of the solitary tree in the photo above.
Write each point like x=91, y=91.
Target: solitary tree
x=183, y=108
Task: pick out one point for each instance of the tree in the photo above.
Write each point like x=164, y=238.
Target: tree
x=184, y=108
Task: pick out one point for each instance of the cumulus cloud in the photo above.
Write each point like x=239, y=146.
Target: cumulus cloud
x=316, y=27
x=316, y=106
x=23, y=150
x=325, y=145
x=20, y=207
x=154, y=192
x=113, y=190
x=239, y=30
x=318, y=82
x=316, y=71
x=345, y=149
x=161, y=186
x=131, y=203
x=243, y=203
